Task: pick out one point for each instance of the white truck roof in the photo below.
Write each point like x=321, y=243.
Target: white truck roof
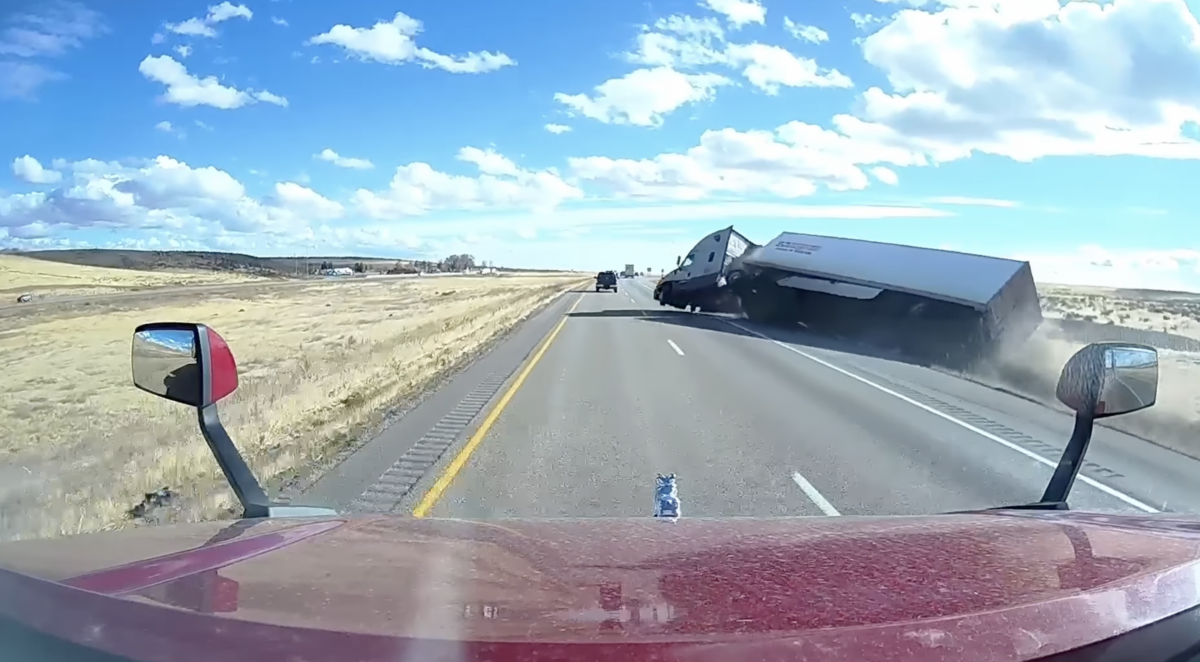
x=951, y=276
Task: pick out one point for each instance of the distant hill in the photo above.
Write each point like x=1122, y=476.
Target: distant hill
x=228, y=262
x=199, y=261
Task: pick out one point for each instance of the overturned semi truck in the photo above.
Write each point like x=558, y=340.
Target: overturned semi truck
x=935, y=307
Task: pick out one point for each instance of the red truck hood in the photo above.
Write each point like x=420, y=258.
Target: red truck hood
x=994, y=586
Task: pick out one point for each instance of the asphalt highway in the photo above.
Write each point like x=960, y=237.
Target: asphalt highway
x=762, y=422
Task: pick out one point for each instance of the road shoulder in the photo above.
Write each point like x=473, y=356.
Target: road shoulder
x=441, y=418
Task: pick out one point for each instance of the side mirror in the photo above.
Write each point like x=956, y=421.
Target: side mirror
x=186, y=363
x=678, y=260
x=1109, y=379
x=192, y=364
x=1101, y=380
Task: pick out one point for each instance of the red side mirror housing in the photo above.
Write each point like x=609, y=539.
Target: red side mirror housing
x=186, y=363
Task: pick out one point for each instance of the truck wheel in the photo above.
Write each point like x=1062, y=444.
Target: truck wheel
x=664, y=297
x=597, y=289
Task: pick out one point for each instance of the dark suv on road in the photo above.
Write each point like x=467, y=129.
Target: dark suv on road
x=606, y=280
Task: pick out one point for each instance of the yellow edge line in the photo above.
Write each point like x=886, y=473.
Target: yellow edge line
x=443, y=482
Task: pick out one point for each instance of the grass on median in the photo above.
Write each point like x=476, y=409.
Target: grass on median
x=319, y=364
x=27, y=275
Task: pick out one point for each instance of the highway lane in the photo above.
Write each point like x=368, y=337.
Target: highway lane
x=1156, y=476
x=756, y=425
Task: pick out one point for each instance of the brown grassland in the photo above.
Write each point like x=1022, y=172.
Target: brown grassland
x=42, y=278
x=319, y=361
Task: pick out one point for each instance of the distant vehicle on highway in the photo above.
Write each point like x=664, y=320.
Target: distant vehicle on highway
x=606, y=280
x=629, y=272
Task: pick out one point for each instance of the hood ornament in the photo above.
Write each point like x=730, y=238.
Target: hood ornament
x=666, y=497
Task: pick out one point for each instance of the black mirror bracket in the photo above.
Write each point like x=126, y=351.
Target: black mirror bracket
x=254, y=500
x=1100, y=380
x=1071, y=461
x=238, y=474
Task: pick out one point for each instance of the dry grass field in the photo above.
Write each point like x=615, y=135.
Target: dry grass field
x=25, y=275
x=1169, y=312
x=319, y=364
x=1032, y=369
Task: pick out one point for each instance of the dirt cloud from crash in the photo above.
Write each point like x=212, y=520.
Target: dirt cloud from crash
x=1031, y=370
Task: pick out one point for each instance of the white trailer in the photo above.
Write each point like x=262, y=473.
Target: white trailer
x=940, y=306
x=630, y=271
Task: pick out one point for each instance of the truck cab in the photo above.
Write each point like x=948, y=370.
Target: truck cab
x=699, y=280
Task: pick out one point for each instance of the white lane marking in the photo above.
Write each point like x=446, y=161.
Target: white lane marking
x=674, y=347
x=966, y=426
x=815, y=495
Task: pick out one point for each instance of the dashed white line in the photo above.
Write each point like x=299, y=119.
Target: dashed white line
x=963, y=424
x=815, y=495
x=674, y=347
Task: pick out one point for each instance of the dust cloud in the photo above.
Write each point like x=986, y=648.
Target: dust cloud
x=1031, y=370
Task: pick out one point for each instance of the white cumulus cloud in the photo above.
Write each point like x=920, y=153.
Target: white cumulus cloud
x=336, y=159
x=1036, y=78
x=203, y=27
x=789, y=162
x=809, y=33
x=418, y=188
x=644, y=96
x=885, y=175
x=738, y=12
x=684, y=60
x=394, y=42
x=186, y=90
x=157, y=194
x=28, y=169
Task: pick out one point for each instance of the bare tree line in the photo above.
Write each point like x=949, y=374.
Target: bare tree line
x=452, y=263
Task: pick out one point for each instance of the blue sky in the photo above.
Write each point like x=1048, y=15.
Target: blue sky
x=589, y=134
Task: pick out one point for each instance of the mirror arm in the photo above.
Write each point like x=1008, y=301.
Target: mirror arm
x=254, y=500
x=1071, y=461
